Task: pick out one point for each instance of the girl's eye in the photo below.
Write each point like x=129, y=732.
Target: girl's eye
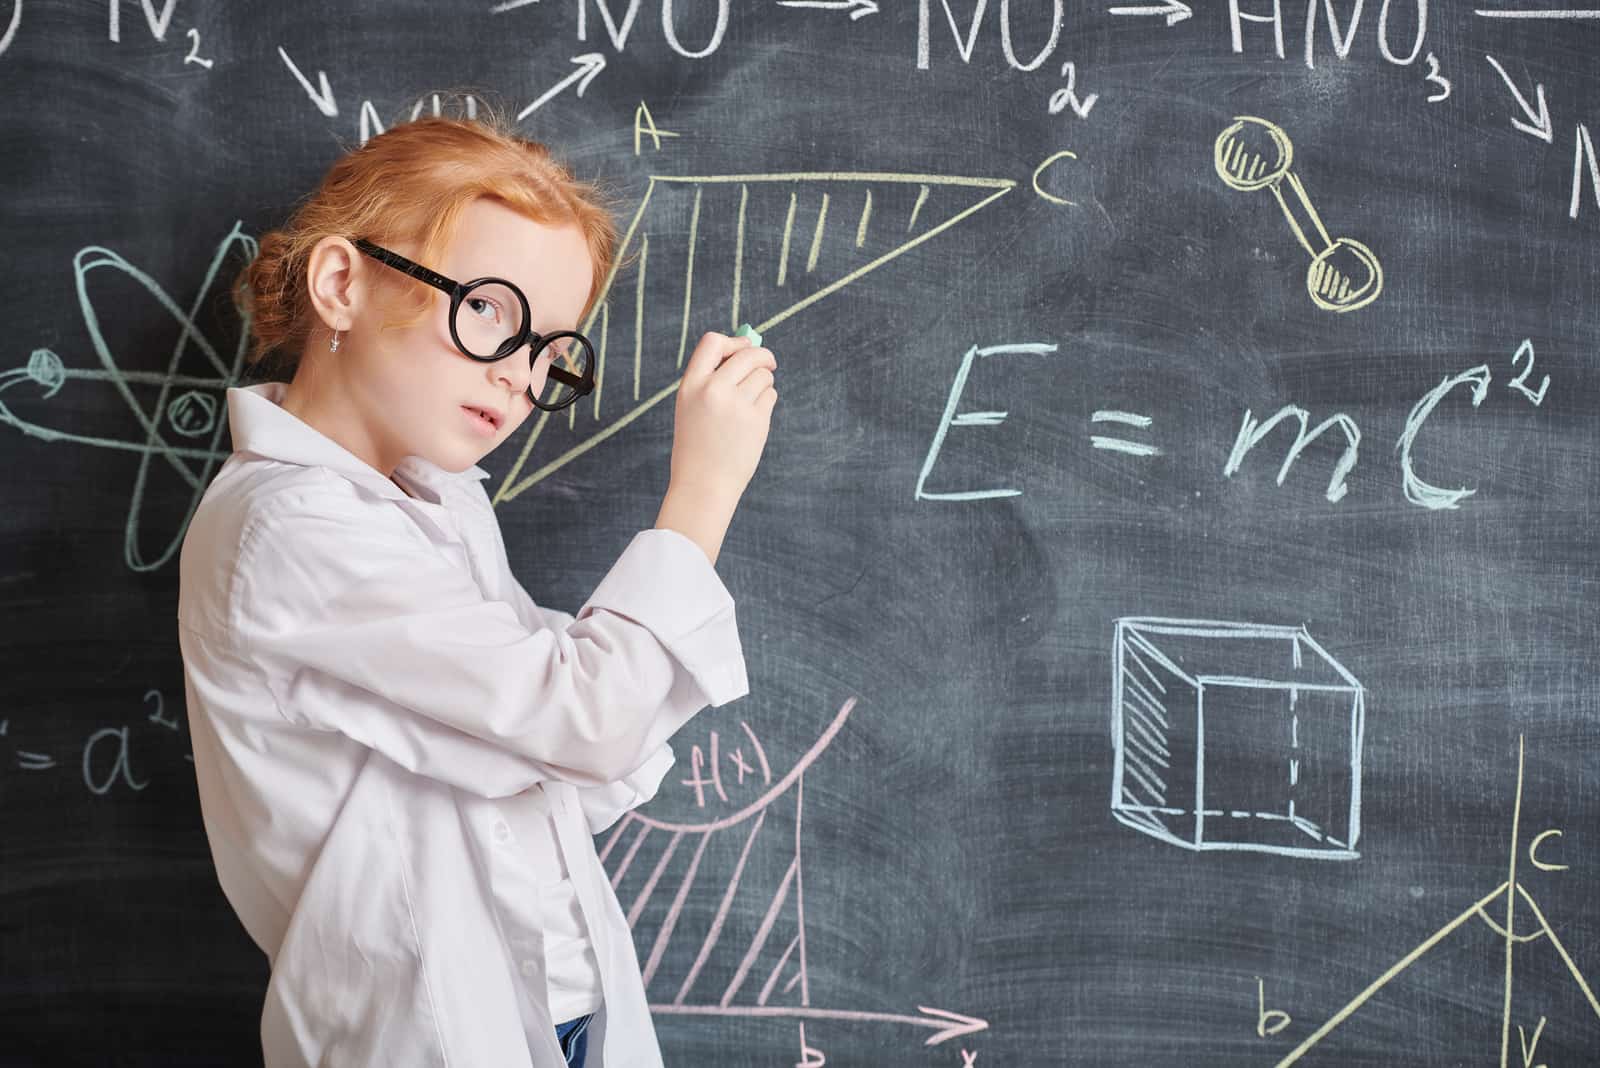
x=485, y=309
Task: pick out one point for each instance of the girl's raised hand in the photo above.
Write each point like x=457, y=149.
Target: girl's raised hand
x=724, y=410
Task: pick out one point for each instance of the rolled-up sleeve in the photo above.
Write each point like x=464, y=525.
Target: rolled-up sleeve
x=367, y=629
x=604, y=805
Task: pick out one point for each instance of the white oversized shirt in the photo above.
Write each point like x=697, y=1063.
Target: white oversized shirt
x=401, y=758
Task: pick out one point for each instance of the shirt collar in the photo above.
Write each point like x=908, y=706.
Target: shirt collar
x=261, y=425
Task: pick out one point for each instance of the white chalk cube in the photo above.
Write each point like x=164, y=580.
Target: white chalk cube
x=1236, y=736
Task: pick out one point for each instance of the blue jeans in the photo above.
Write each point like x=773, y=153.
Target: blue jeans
x=574, y=1038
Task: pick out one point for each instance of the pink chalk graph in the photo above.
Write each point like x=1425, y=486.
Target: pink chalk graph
x=703, y=884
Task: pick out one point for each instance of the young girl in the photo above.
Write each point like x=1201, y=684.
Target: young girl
x=401, y=758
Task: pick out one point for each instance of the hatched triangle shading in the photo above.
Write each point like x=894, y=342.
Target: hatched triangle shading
x=717, y=922
x=712, y=251
x=716, y=905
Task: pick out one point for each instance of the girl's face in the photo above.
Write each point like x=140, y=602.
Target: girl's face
x=413, y=387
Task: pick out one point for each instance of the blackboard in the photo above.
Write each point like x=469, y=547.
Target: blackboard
x=1096, y=718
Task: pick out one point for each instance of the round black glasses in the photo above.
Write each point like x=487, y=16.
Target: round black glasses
x=489, y=320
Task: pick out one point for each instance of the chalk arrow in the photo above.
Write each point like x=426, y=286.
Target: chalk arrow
x=1541, y=127
x=944, y=1023
x=857, y=8
x=1176, y=11
x=1592, y=13
x=323, y=99
x=589, y=64
x=959, y=1024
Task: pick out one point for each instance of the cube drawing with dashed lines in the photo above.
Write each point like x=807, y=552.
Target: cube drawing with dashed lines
x=1235, y=736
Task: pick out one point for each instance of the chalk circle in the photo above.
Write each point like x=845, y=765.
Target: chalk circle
x=1252, y=154
x=1344, y=276
x=1042, y=167
x=46, y=368
x=193, y=413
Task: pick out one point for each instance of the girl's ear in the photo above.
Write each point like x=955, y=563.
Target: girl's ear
x=335, y=282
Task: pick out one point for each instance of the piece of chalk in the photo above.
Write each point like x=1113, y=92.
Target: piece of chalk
x=746, y=330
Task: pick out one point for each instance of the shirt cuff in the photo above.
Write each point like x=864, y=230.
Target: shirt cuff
x=664, y=582
x=603, y=805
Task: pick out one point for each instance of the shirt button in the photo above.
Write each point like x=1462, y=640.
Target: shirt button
x=529, y=968
x=502, y=831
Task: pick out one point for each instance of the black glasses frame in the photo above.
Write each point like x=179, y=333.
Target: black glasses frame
x=582, y=385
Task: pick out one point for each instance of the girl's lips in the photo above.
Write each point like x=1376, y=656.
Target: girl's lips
x=481, y=424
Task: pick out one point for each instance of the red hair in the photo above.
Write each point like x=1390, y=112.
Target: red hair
x=408, y=185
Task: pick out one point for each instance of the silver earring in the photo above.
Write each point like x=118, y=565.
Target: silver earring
x=333, y=342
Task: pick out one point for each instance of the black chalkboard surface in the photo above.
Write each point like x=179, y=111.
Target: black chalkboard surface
x=1168, y=594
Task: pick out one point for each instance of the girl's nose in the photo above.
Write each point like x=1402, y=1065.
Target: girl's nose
x=513, y=373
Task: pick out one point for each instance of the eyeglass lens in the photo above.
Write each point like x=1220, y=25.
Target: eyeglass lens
x=568, y=354
x=490, y=315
